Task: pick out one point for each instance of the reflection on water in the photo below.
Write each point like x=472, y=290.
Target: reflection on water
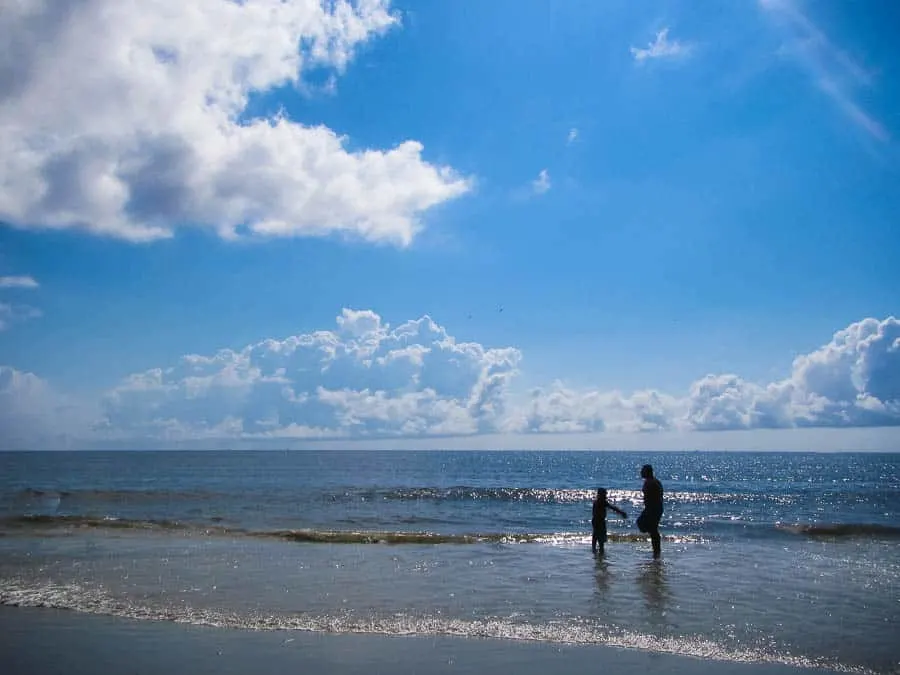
x=602, y=574
x=651, y=579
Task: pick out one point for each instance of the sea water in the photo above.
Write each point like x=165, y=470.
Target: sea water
x=789, y=558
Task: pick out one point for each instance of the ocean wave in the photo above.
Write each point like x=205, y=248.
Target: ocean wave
x=316, y=536
x=841, y=530
x=535, y=495
x=91, y=600
x=456, y=493
x=72, y=523
x=35, y=521
x=30, y=495
x=349, y=537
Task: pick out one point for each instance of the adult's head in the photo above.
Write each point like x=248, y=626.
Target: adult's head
x=601, y=493
x=646, y=471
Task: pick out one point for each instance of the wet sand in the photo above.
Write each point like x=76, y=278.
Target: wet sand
x=49, y=641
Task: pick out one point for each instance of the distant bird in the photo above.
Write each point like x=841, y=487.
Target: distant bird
x=501, y=309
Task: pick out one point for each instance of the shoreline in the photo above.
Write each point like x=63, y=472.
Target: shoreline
x=61, y=641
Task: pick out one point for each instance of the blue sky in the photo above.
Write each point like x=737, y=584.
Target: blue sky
x=652, y=194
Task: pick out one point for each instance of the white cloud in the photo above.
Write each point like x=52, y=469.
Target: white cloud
x=125, y=118
x=541, y=184
x=363, y=379
x=18, y=282
x=572, y=136
x=562, y=409
x=368, y=380
x=559, y=409
x=854, y=380
x=832, y=69
x=661, y=48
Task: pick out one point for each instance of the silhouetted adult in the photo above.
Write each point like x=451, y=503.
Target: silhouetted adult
x=649, y=519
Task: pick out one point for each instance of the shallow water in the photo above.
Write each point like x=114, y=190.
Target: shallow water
x=768, y=557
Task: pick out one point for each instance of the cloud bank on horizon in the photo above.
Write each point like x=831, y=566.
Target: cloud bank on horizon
x=365, y=379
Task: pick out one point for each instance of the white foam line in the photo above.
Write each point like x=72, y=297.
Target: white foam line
x=79, y=598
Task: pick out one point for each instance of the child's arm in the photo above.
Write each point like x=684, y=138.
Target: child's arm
x=617, y=510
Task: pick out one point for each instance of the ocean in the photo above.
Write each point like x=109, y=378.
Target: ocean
x=789, y=558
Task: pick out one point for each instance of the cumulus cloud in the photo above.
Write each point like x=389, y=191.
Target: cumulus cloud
x=128, y=118
x=18, y=282
x=854, y=380
x=559, y=408
x=364, y=378
x=541, y=184
x=661, y=48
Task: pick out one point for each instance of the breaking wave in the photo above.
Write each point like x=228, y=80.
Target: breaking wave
x=31, y=495
x=573, y=631
x=535, y=495
x=830, y=530
x=456, y=493
x=69, y=523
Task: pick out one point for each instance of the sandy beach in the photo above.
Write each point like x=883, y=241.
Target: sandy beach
x=51, y=641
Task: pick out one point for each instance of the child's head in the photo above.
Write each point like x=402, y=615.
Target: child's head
x=601, y=493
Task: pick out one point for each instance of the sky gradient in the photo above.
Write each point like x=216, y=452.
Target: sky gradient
x=474, y=224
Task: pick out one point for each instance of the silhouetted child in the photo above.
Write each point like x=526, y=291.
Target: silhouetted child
x=598, y=519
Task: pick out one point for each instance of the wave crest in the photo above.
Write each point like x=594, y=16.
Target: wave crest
x=314, y=536
x=573, y=631
x=833, y=530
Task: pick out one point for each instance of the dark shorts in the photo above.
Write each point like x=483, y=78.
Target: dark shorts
x=600, y=533
x=649, y=519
